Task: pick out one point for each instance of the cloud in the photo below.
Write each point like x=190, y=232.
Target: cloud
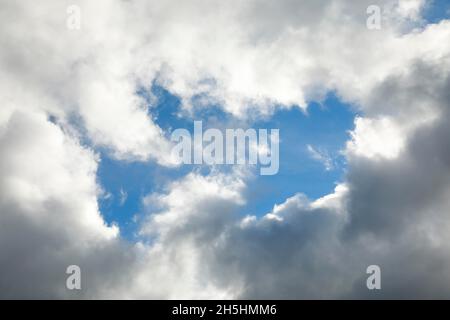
x=83, y=79
x=49, y=215
x=123, y=195
x=321, y=156
x=68, y=93
x=292, y=252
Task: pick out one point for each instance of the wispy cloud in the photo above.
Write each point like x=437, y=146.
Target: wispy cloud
x=321, y=156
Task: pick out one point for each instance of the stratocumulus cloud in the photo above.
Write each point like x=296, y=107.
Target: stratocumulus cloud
x=70, y=96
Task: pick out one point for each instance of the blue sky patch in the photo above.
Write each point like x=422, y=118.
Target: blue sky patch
x=324, y=128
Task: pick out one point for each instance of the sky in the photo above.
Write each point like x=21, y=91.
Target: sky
x=325, y=127
x=92, y=91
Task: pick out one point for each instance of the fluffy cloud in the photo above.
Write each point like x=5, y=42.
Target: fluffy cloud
x=85, y=79
x=49, y=215
x=61, y=87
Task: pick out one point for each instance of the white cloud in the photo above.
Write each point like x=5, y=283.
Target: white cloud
x=86, y=77
x=123, y=195
x=376, y=138
x=322, y=156
x=185, y=198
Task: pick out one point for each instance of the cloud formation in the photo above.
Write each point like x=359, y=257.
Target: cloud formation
x=65, y=94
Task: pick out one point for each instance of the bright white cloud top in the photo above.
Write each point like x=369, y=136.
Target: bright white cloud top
x=65, y=94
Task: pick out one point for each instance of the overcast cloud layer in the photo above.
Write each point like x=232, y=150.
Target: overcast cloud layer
x=64, y=94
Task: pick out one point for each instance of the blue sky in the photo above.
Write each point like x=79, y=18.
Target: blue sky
x=437, y=11
x=324, y=126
